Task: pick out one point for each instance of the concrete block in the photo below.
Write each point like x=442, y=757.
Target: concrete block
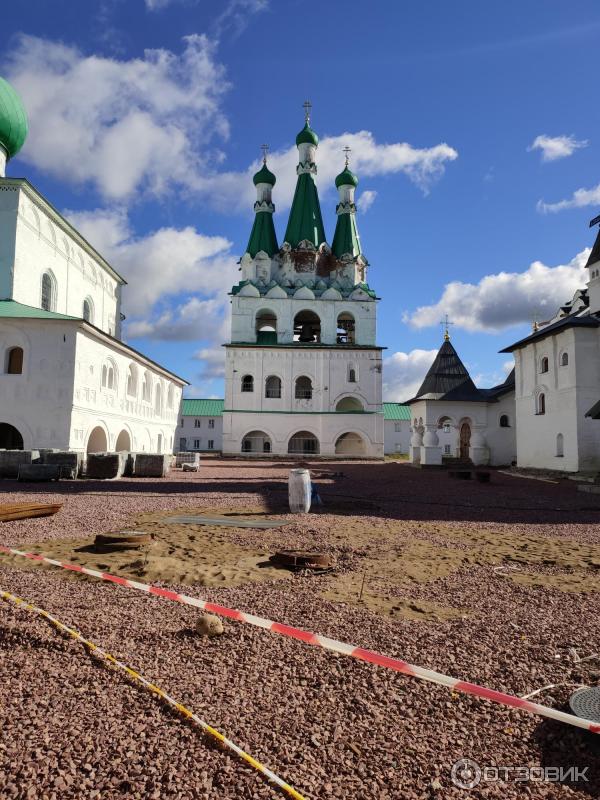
x=186, y=458
x=105, y=465
x=11, y=460
x=39, y=472
x=151, y=465
x=190, y=467
x=71, y=463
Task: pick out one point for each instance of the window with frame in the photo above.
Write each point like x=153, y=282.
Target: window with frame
x=182, y=443
x=247, y=383
x=211, y=444
x=504, y=421
x=273, y=387
x=196, y=444
x=211, y=423
x=397, y=427
x=14, y=361
x=544, y=364
x=564, y=360
x=48, y=292
x=541, y=404
x=303, y=388
x=197, y=423
x=352, y=375
x=88, y=312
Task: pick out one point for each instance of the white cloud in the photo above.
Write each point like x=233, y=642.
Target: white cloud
x=579, y=199
x=555, y=147
x=156, y=5
x=403, y=373
x=165, y=265
x=366, y=200
x=236, y=16
x=120, y=125
x=506, y=298
x=213, y=362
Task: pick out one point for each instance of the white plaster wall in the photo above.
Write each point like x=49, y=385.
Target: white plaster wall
x=396, y=441
x=187, y=429
x=502, y=441
x=245, y=309
x=42, y=244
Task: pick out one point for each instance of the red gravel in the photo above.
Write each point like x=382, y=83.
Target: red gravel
x=331, y=726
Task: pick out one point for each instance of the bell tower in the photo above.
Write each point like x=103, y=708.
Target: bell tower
x=303, y=370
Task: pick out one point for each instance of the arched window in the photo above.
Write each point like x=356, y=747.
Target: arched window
x=48, y=296
x=247, y=383
x=109, y=375
x=346, y=328
x=445, y=424
x=266, y=327
x=132, y=380
x=304, y=388
x=307, y=328
x=349, y=404
x=560, y=445
x=303, y=443
x=256, y=442
x=541, y=403
x=170, y=397
x=504, y=421
x=273, y=386
x=564, y=360
x=88, y=310
x=351, y=375
x=158, y=399
x=544, y=364
x=147, y=387
x=14, y=361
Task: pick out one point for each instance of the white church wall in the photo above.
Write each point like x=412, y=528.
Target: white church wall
x=502, y=440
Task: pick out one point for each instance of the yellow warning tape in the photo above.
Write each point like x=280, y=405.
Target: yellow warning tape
x=156, y=690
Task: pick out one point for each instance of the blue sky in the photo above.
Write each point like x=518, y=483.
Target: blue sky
x=470, y=125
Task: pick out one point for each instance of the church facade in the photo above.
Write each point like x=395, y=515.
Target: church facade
x=303, y=369
x=67, y=380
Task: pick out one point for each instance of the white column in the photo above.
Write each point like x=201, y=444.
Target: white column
x=416, y=441
x=479, y=452
x=2, y=163
x=431, y=452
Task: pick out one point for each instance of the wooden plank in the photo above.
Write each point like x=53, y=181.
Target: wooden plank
x=13, y=511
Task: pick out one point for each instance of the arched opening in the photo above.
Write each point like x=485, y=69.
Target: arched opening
x=465, y=440
x=303, y=443
x=346, y=328
x=266, y=327
x=132, y=380
x=247, y=383
x=97, y=443
x=48, y=293
x=158, y=399
x=273, y=386
x=88, y=310
x=560, y=445
x=307, y=328
x=14, y=361
x=123, y=442
x=303, y=389
x=504, y=421
x=147, y=387
x=109, y=375
x=10, y=438
x=349, y=404
x=445, y=424
x=564, y=360
x=541, y=403
x=256, y=442
x=170, y=397
x=350, y=444
x=544, y=364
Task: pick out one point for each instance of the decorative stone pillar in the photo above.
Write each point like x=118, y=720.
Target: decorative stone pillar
x=479, y=452
x=416, y=441
x=431, y=452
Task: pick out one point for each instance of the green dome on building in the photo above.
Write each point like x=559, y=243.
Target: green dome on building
x=13, y=120
x=307, y=136
x=346, y=178
x=264, y=175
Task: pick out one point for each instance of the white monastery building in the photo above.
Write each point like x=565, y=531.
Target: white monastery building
x=200, y=426
x=303, y=369
x=67, y=381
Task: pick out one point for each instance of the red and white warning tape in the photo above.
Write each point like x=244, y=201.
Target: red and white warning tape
x=307, y=637
x=93, y=648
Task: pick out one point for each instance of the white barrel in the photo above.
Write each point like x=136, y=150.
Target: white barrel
x=299, y=491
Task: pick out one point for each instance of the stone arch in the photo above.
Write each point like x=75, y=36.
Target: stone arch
x=350, y=444
x=346, y=328
x=265, y=325
x=109, y=376
x=124, y=441
x=303, y=443
x=11, y=437
x=257, y=442
x=307, y=327
x=170, y=397
x=48, y=291
x=303, y=388
x=35, y=218
x=349, y=404
x=97, y=441
x=132, y=380
x=273, y=386
x=445, y=419
x=158, y=399
x=88, y=310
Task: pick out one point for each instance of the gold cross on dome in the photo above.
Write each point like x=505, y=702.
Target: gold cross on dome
x=347, y=151
x=265, y=151
x=446, y=323
x=307, y=106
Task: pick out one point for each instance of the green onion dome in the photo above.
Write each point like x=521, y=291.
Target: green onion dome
x=346, y=178
x=13, y=120
x=307, y=136
x=264, y=175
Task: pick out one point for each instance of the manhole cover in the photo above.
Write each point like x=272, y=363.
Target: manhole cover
x=301, y=559
x=121, y=540
x=586, y=703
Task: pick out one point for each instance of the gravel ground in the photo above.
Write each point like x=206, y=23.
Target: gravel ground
x=331, y=726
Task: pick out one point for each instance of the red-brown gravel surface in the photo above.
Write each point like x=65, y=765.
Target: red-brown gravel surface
x=333, y=727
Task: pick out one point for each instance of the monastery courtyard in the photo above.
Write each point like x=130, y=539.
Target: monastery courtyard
x=495, y=583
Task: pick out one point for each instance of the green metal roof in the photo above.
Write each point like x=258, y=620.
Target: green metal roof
x=305, y=221
x=262, y=235
x=307, y=136
x=264, y=175
x=202, y=408
x=346, y=178
x=14, y=310
x=346, y=238
x=396, y=411
x=13, y=120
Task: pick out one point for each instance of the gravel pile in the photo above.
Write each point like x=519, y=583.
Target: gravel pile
x=331, y=726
